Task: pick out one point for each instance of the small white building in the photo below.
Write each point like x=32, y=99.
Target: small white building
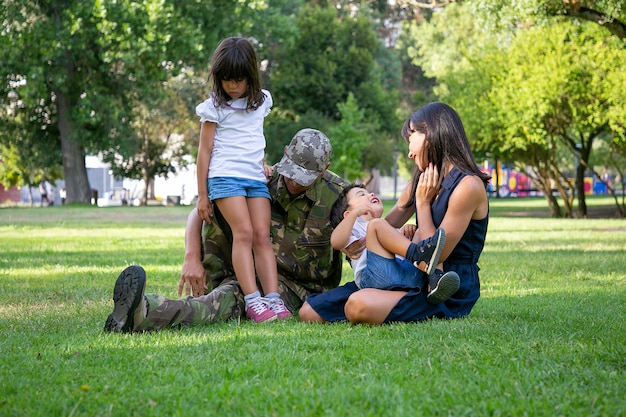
x=178, y=188
x=112, y=191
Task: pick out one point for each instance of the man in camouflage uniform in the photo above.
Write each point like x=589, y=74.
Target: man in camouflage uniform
x=303, y=192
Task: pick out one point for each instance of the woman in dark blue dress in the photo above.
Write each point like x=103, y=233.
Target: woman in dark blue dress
x=448, y=190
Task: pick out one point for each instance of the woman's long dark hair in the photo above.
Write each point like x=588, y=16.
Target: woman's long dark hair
x=447, y=141
x=235, y=59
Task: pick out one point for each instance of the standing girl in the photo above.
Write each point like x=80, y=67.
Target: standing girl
x=230, y=153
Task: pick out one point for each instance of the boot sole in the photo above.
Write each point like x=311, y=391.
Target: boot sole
x=447, y=286
x=129, y=288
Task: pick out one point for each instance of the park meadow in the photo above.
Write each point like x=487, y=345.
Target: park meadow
x=546, y=338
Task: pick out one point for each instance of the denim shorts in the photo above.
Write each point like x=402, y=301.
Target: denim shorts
x=224, y=187
x=384, y=273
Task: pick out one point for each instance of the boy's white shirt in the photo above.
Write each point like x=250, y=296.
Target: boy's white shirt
x=359, y=230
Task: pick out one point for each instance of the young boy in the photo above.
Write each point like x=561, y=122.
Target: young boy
x=391, y=259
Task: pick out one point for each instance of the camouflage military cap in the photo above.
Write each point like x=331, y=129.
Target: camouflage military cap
x=306, y=157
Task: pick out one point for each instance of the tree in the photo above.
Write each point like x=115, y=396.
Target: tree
x=530, y=96
x=610, y=14
x=83, y=65
x=29, y=152
x=164, y=134
x=55, y=49
x=556, y=85
x=332, y=55
x=350, y=139
x=22, y=164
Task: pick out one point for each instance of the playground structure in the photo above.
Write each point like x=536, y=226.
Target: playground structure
x=513, y=183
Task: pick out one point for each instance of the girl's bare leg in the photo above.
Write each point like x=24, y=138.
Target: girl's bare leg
x=264, y=257
x=235, y=212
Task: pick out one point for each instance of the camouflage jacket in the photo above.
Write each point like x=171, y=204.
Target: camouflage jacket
x=300, y=233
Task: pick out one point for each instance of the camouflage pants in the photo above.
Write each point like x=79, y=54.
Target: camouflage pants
x=224, y=302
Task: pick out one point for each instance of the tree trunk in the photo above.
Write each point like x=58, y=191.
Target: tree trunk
x=74, y=170
x=544, y=185
x=497, y=179
x=553, y=204
x=567, y=201
x=580, y=190
x=144, y=197
x=146, y=190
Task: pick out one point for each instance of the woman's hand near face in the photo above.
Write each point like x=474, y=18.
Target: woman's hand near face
x=426, y=190
x=425, y=193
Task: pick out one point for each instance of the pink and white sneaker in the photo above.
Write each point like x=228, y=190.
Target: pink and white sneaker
x=258, y=311
x=278, y=307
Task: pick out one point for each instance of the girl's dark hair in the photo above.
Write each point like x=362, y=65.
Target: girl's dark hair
x=447, y=141
x=235, y=59
x=341, y=204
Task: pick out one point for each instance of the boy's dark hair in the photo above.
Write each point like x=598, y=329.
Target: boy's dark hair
x=341, y=204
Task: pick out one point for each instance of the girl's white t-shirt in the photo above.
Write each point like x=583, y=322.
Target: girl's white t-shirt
x=239, y=143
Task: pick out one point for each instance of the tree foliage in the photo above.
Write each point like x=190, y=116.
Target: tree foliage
x=530, y=96
x=332, y=55
x=87, y=77
x=81, y=66
x=610, y=14
x=164, y=134
x=350, y=138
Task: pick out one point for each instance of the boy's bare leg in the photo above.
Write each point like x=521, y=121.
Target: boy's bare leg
x=385, y=240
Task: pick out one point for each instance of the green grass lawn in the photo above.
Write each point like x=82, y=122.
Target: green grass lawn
x=547, y=337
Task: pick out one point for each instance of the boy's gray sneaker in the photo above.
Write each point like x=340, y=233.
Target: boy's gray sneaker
x=129, y=301
x=429, y=251
x=442, y=286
